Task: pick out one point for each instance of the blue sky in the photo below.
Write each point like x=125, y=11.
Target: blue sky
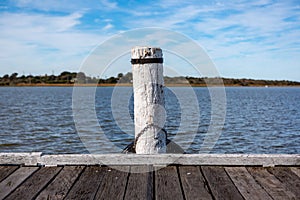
x=245, y=38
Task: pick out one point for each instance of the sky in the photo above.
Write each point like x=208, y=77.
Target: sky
x=257, y=39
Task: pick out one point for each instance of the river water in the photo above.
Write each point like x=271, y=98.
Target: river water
x=41, y=119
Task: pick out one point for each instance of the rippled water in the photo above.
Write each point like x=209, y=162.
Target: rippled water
x=258, y=120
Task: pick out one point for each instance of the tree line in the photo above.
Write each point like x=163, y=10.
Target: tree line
x=81, y=78
x=64, y=78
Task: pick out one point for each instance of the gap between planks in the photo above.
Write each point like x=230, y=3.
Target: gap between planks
x=172, y=182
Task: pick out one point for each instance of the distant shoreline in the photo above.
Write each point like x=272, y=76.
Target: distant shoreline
x=130, y=85
x=68, y=79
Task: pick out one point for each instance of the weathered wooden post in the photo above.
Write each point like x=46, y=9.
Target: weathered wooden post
x=149, y=112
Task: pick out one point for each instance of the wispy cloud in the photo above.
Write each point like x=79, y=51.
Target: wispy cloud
x=38, y=22
x=238, y=35
x=109, y=4
x=64, y=5
x=41, y=42
x=107, y=27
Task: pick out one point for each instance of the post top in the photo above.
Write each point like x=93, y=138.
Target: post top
x=139, y=52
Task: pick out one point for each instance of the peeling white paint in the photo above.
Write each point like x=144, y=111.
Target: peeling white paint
x=30, y=159
x=149, y=102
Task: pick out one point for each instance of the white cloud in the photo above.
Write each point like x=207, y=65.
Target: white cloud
x=233, y=32
x=107, y=27
x=246, y=35
x=38, y=22
x=65, y=5
x=37, y=42
x=109, y=4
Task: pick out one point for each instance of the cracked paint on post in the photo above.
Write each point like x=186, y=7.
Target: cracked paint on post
x=148, y=86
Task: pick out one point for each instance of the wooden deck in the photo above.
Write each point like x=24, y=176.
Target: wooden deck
x=172, y=182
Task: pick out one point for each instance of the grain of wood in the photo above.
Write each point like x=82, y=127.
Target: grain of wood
x=246, y=184
x=167, y=184
x=270, y=183
x=220, y=183
x=193, y=183
x=166, y=159
x=106, y=183
x=34, y=184
x=62, y=183
x=140, y=183
x=296, y=170
x=31, y=158
x=113, y=184
x=15, y=179
x=6, y=171
x=87, y=185
x=290, y=180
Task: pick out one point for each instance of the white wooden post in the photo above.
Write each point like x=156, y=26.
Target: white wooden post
x=149, y=111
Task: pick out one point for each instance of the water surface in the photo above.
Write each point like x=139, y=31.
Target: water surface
x=258, y=120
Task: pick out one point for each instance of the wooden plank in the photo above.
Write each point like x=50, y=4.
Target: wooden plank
x=270, y=183
x=181, y=159
x=113, y=184
x=167, y=184
x=31, y=158
x=62, y=183
x=140, y=183
x=15, y=179
x=34, y=184
x=87, y=185
x=296, y=170
x=193, y=183
x=5, y=171
x=246, y=184
x=287, y=178
x=220, y=183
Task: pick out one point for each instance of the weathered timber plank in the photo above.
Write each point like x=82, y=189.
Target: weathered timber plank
x=288, y=178
x=167, y=184
x=296, y=170
x=158, y=159
x=220, y=183
x=270, y=183
x=62, y=183
x=20, y=158
x=6, y=171
x=34, y=184
x=87, y=185
x=165, y=159
x=140, y=183
x=246, y=184
x=15, y=179
x=193, y=183
x=113, y=184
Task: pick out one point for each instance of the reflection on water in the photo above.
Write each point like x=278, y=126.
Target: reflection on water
x=258, y=120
